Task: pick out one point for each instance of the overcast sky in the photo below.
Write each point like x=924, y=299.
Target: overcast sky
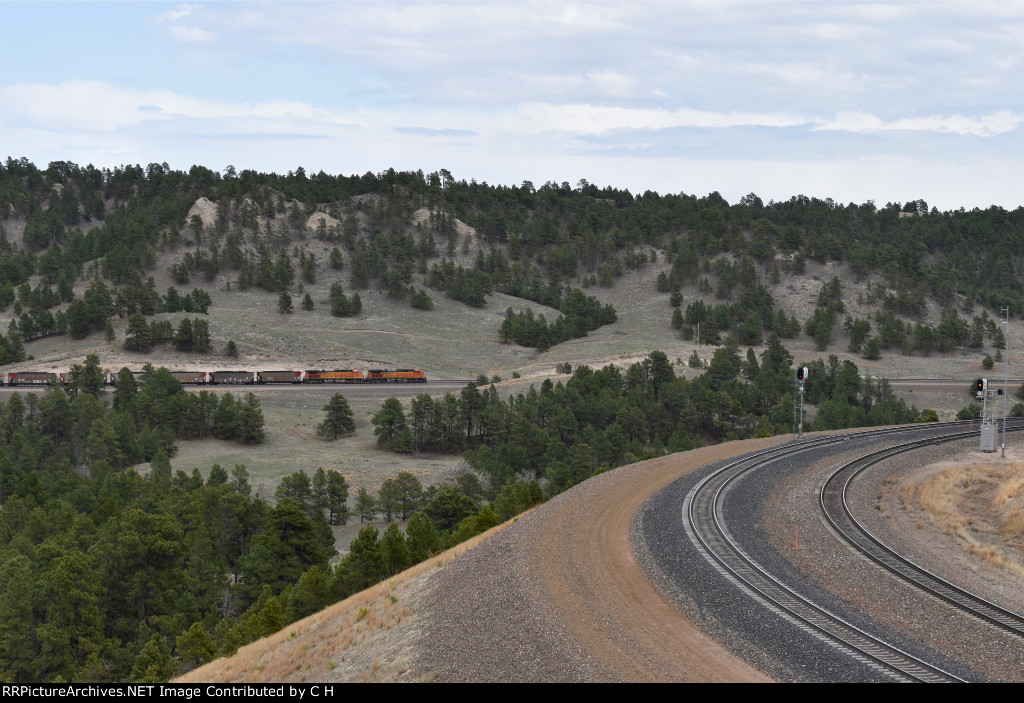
x=848, y=100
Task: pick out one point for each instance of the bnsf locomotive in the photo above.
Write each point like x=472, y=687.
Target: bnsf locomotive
x=44, y=378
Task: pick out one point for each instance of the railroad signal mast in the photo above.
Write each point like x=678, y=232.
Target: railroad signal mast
x=801, y=376
x=989, y=423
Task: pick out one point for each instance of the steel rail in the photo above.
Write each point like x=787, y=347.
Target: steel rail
x=833, y=499
x=703, y=509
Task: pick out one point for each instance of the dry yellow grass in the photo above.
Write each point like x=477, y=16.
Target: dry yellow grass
x=1012, y=488
x=907, y=493
x=1009, y=500
x=981, y=504
x=938, y=497
x=326, y=646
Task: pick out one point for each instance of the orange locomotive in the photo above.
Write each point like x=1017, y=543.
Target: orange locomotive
x=395, y=376
x=335, y=376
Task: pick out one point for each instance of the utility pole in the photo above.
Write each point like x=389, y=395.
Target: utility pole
x=1006, y=378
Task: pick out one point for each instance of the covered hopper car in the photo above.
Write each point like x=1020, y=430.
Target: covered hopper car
x=278, y=377
x=34, y=378
x=233, y=377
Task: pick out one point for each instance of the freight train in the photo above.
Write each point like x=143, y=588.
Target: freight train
x=45, y=378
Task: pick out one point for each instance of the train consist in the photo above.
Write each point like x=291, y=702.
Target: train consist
x=195, y=378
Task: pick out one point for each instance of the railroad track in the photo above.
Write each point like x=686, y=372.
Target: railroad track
x=836, y=507
x=708, y=529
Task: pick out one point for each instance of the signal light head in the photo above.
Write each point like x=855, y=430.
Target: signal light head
x=981, y=384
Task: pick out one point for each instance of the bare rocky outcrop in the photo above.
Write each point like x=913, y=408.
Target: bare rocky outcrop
x=206, y=209
x=313, y=222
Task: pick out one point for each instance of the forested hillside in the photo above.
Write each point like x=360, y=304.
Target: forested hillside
x=109, y=574
x=103, y=232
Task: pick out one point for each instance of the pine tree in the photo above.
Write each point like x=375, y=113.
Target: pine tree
x=154, y=663
x=337, y=498
x=183, y=336
x=16, y=626
x=195, y=646
x=873, y=349
x=394, y=551
x=311, y=593
x=390, y=425
x=422, y=537
x=410, y=493
x=200, y=335
x=284, y=303
x=387, y=498
x=250, y=421
x=364, y=561
x=366, y=505
x=339, y=418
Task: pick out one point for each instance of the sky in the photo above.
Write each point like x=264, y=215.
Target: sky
x=854, y=101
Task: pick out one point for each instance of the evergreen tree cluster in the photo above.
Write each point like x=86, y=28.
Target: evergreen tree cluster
x=951, y=333
x=420, y=300
x=192, y=334
x=468, y=286
x=106, y=575
x=562, y=434
x=344, y=306
x=11, y=349
x=581, y=314
x=844, y=399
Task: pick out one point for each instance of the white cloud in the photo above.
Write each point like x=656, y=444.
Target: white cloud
x=943, y=45
x=186, y=33
x=881, y=13
x=996, y=123
x=837, y=31
x=851, y=122
x=176, y=14
x=94, y=106
x=613, y=84
x=808, y=74
x=102, y=107
x=192, y=34
x=681, y=60
x=599, y=119
x=1004, y=63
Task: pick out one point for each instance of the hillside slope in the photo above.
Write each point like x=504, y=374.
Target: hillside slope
x=556, y=595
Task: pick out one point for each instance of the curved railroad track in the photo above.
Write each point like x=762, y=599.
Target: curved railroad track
x=707, y=524
x=833, y=498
